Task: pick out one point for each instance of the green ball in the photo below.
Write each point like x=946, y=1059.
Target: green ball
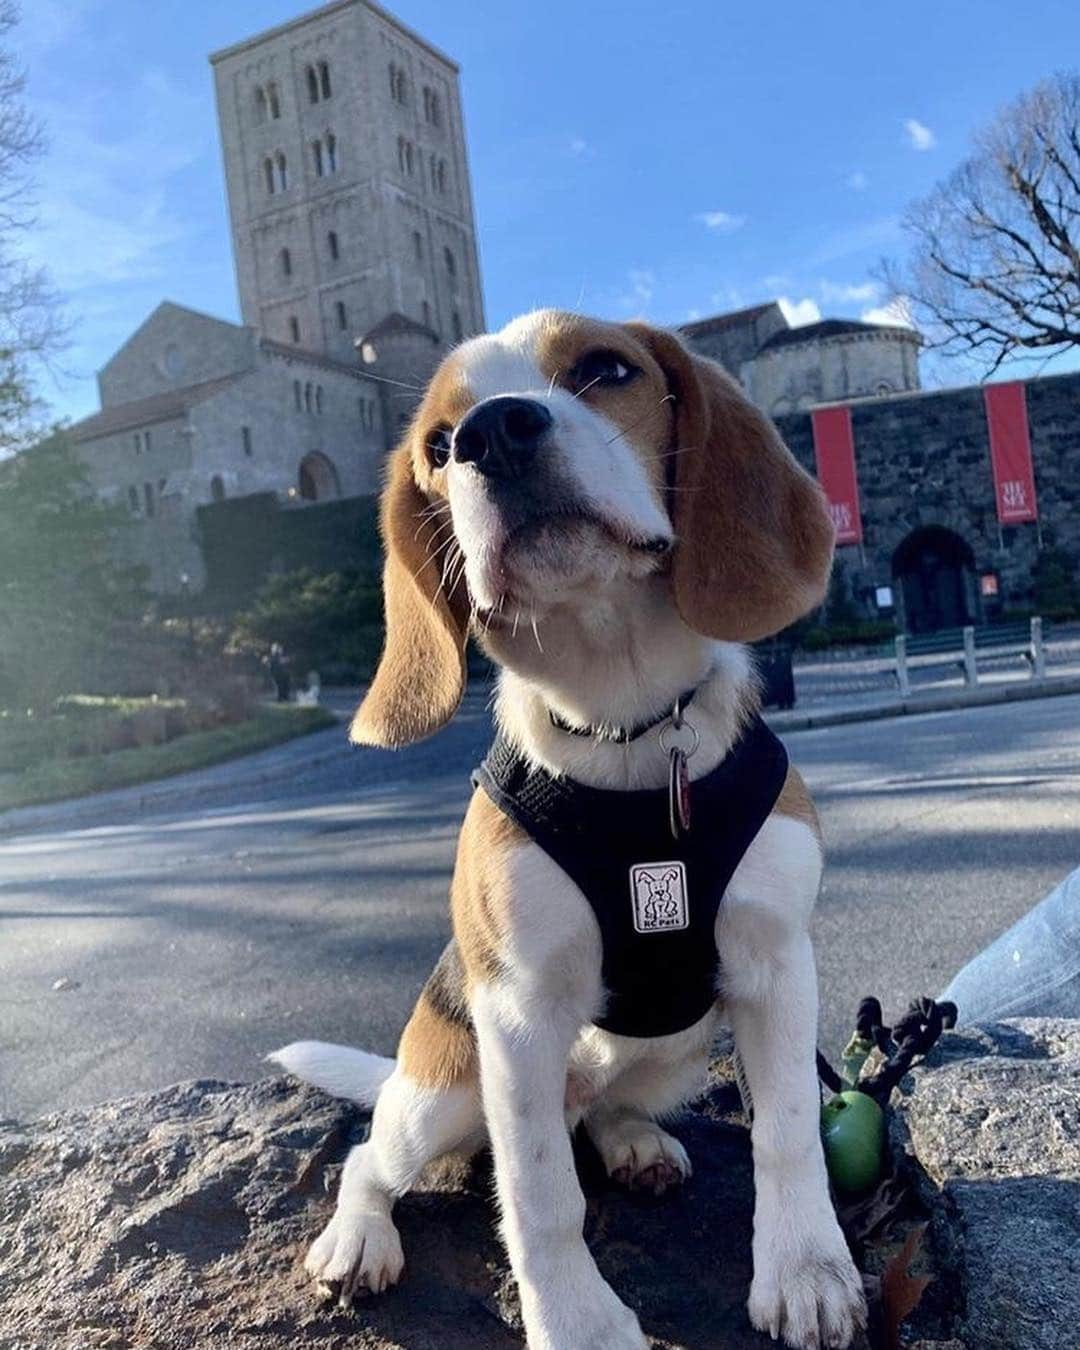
x=853, y=1136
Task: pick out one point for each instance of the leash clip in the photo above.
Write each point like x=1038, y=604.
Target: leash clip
x=678, y=770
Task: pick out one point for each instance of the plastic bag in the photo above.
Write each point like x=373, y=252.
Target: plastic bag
x=1032, y=970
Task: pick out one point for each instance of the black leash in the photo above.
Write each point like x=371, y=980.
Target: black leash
x=916, y=1033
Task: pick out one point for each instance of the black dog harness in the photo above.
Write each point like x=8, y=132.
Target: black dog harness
x=655, y=898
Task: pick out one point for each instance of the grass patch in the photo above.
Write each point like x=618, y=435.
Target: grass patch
x=53, y=779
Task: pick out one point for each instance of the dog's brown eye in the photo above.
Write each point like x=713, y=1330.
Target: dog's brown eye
x=601, y=368
x=438, y=446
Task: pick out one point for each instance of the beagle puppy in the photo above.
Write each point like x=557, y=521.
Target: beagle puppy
x=610, y=519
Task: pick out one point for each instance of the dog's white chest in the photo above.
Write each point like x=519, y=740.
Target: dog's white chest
x=659, y=896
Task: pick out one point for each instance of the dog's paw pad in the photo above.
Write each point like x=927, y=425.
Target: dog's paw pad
x=643, y=1157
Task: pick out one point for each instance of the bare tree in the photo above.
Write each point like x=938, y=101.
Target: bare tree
x=995, y=266
x=31, y=324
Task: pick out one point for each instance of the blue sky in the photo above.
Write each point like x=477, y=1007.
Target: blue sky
x=665, y=160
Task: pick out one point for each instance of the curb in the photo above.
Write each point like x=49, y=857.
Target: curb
x=910, y=707
x=138, y=798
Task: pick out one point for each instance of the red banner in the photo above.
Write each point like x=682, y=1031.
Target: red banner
x=1010, y=453
x=834, y=450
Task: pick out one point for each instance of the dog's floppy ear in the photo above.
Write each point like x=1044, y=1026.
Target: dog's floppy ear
x=754, y=538
x=421, y=674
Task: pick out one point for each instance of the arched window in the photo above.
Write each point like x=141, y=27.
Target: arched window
x=312, y=85
x=342, y=315
x=451, y=262
x=436, y=111
x=431, y=106
x=146, y=440
x=138, y=442
x=133, y=500
x=275, y=101
x=148, y=493
x=440, y=176
x=294, y=328
x=331, y=152
x=392, y=72
x=282, y=171
x=260, y=104
x=317, y=157
x=318, y=399
x=307, y=397
x=268, y=174
x=245, y=441
x=324, y=79
x=297, y=395
x=217, y=488
x=333, y=245
x=286, y=263
x=418, y=244
x=455, y=324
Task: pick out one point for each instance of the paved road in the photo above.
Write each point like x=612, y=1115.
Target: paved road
x=302, y=893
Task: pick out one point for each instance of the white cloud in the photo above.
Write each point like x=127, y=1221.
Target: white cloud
x=858, y=181
x=642, y=284
x=692, y=314
x=47, y=24
x=776, y=281
x=722, y=222
x=799, y=312
x=844, y=293
x=580, y=147
x=728, y=298
x=103, y=214
x=878, y=234
x=920, y=137
x=896, y=311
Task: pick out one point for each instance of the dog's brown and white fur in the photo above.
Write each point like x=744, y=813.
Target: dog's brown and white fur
x=664, y=525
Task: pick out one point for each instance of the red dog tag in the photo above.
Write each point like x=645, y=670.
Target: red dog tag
x=679, y=794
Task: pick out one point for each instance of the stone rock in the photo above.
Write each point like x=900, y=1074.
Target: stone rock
x=992, y=1121
x=180, y=1220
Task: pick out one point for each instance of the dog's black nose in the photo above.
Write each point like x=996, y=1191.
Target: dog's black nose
x=500, y=435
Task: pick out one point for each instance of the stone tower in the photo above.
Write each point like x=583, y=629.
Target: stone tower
x=347, y=178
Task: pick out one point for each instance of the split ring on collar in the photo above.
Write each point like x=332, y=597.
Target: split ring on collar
x=678, y=728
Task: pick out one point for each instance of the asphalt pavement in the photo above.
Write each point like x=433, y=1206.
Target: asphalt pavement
x=302, y=892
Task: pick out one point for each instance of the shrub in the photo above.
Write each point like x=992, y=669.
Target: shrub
x=330, y=622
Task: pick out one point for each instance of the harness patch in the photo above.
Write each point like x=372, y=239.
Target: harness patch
x=658, y=892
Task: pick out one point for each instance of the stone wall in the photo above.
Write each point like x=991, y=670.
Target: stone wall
x=924, y=459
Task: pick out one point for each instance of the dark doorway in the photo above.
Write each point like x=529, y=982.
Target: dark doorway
x=935, y=570
x=318, y=478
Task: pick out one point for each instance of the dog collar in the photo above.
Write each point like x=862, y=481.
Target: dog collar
x=624, y=735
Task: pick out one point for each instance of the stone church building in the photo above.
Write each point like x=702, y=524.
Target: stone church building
x=355, y=252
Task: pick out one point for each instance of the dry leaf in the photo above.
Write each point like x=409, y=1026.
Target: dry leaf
x=900, y=1290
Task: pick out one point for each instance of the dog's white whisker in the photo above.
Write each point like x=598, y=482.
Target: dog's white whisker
x=668, y=398
x=587, y=387
x=536, y=634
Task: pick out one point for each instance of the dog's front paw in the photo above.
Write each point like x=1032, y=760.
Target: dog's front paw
x=638, y=1154
x=574, y=1307
x=355, y=1254
x=806, y=1288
